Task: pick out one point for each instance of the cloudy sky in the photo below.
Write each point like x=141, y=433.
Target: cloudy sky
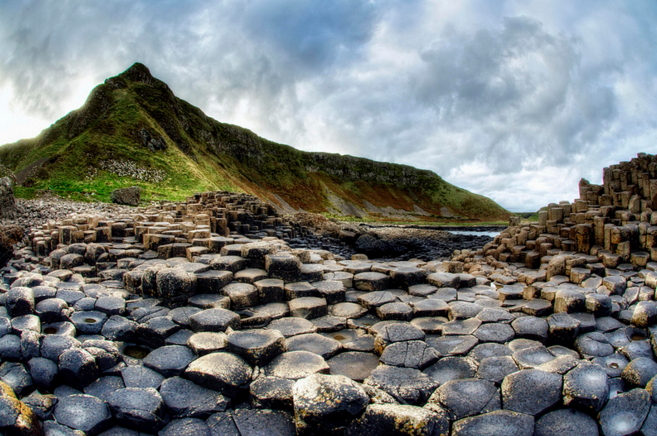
x=516, y=100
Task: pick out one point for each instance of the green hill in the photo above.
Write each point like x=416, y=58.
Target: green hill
x=133, y=130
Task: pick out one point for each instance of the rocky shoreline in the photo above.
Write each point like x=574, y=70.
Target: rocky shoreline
x=202, y=317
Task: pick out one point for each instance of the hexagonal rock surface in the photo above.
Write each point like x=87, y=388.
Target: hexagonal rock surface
x=242, y=295
x=77, y=367
x=295, y=365
x=83, y=412
x=495, y=368
x=494, y=332
x=175, y=285
x=531, y=391
x=467, y=397
x=292, y=326
x=409, y=354
x=185, y=426
x=138, y=409
x=223, y=372
x=258, y=347
x=406, y=384
x=348, y=310
x=396, y=332
x=500, y=422
x=356, y=365
x=566, y=422
x=272, y=392
x=207, y=342
x=326, y=403
x=451, y=368
x=372, y=300
x=308, y=307
x=395, y=419
x=214, y=320
x=625, y=413
x=586, y=387
x=639, y=371
x=371, y=281
x=186, y=399
x=170, y=360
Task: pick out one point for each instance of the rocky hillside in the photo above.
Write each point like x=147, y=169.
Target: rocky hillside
x=134, y=131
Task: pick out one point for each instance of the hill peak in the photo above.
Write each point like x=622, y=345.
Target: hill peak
x=138, y=72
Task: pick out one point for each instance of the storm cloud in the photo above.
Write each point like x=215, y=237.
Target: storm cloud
x=513, y=100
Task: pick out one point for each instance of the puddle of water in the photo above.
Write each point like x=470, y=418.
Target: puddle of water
x=136, y=352
x=474, y=233
x=49, y=331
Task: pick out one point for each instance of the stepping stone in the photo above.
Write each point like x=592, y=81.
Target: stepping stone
x=154, y=332
x=140, y=409
x=258, y=347
x=566, y=422
x=104, y=386
x=451, y=368
x=272, y=392
x=538, y=307
x=270, y=290
x=118, y=328
x=639, y=372
x=170, y=360
x=208, y=301
x=496, y=368
x=88, y=322
x=326, y=404
x=308, y=307
x=207, y=342
x=250, y=275
x=332, y=290
x=312, y=272
x=532, y=357
x=422, y=290
x=347, y=310
x=252, y=422
x=531, y=391
x=185, y=426
x=223, y=372
x=371, y=281
x=354, y=364
x=372, y=300
x=300, y=290
x=495, y=423
x=292, y=326
x=211, y=282
x=395, y=312
x=585, y=387
x=77, y=367
x=83, y=412
x=141, y=377
x=273, y=310
x=593, y=345
x=598, y=304
x=453, y=345
x=405, y=277
x=330, y=323
x=444, y=280
x=430, y=307
x=467, y=397
x=396, y=332
x=645, y=314
x=52, y=310
x=461, y=310
x=295, y=365
x=44, y=372
x=175, y=285
x=378, y=419
x=409, y=354
x=637, y=349
x=563, y=328
x=625, y=413
x=613, y=365
x=214, y=320
x=404, y=384
x=228, y=263
x=494, y=332
x=16, y=377
x=110, y=305
x=180, y=315
x=242, y=295
x=531, y=327
x=511, y=292
x=493, y=315
x=461, y=327
x=569, y=301
x=430, y=325
x=362, y=343
x=314, y=343
x=483, y=351
x=186, y=399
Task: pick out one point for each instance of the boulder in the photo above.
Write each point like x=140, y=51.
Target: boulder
x=7, y=203
x=128, y=196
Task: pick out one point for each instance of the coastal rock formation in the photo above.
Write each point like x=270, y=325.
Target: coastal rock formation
x=200, y=317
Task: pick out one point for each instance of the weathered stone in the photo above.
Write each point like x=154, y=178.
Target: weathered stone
x=531, y=391
x=398, y=420
x=405, y=384
x=566, y=422
x=258, y=347
x=141, y=409
x=495, y=423
x=127, y=196
x=625, y=413
x=186, y=399
x=83, y=412
x=223, y=372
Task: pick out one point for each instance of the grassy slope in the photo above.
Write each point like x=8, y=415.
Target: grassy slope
x=204, y=154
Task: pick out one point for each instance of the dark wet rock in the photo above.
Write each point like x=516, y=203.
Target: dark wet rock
x=170, y=360
x=585, y=387
x=453, y=345
x=398, y=420
x=206, y=342
x=495, y=423
x=531, y=391
x=44, y=372
x=637, y=349
x=645, y=314
x=52, y=310
x=223, y=372
x=625, y=413
x=594, y=344
x=30, y=344
x=292, y=326
x=451, y=368
x=186, y=399
x=563, y=328
x=186, y=426
x=140, y=409
x=19, y=301
x=496, y=368
x=326, y=403
x=395, y=311
x=15, y=417
x=77, y=367
x=83, y=412
x=323, y=346
x=127, y=196
x=118, y=328
x=566, y=422
x=272, y=392
x=141, y=377
x=613, y=365
x=639, y=371
x=531, y=327
x=405, y=384
x=308, y=307
x=295, y=365
x=175, y=285
x=42, y=405
x=396, y=332
x=409, y=354
x=104, y=386
x=467, y=397
x=16, y=377
x=261, y=422
x=494, y=332
x=354, y=364
x=52, y=428
x=154, y=331
x=214, y=320
x=258, y=347
x=89, y=322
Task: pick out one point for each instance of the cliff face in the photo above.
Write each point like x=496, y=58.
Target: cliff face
x=132, y=128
